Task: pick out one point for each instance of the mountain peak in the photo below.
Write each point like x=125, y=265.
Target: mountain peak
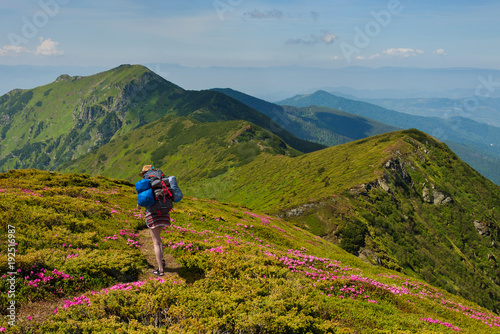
x=83, y=112
x=130, y=67
x=63, y=77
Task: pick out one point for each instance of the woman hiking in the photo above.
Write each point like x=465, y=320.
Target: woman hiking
x=156, y=218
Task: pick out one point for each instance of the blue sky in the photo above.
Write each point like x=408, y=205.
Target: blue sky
x=246, y=33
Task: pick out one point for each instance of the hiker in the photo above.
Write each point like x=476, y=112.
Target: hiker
x=155, y=221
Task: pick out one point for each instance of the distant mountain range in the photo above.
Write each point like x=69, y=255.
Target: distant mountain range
x=477, y=142
x=483, y=111
x=396, y=94
x=401, y=200
x=280, y=82
x=318, y=124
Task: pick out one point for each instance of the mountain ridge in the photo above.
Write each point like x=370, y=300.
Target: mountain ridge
x=202, y=149
x=397, y=192
x=52, y=124
x=322, y=125
x=477, y=137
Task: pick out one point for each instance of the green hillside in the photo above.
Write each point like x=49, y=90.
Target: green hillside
x=401, y=200
x=195, y=150
x=479, y=141
x=388, y=199
x=81, y=267
x=390, y=233
x=322, y=125
x=50, y=125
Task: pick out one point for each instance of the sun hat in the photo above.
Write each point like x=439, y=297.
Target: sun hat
x=145, y=169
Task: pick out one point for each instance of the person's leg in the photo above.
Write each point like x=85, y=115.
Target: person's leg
x=155, y=234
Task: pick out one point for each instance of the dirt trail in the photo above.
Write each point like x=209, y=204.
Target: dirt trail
x=39, y=311
x=172, y=267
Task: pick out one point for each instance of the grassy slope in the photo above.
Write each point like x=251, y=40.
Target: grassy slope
x=242, y=271
x=289, y=182
x=339, y=197
x=211, y=106
x=223, y=161
x=193, y=149
x=54, y=123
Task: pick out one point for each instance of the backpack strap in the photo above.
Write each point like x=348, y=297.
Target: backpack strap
x=165, y=190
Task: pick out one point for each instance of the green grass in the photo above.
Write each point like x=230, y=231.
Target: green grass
x=402, y=230
x=273, y=182
x=242, y=271
x=180, y=145
x=335, y=188
x=73, y=115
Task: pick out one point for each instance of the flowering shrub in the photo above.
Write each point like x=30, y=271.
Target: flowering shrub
x=435, y=321
x=59, y=236
x=241, y=272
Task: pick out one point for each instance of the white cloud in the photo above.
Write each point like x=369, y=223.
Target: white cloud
x=12, y=50
x=270, y=14
x=402, y=52
x=326, y=38
x=48, y=47
x=440, y=52
x=392, y=53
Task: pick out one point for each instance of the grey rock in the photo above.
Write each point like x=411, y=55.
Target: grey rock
x=481, y=228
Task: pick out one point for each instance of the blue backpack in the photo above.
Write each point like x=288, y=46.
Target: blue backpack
x=145, y=195
x=176, y=190
x=157, y=193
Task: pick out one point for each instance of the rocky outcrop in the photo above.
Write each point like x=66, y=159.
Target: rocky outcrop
x=397, y=172
x=63, y=77
x=382, y=182
x=136, y=91
x=13, y=92
x=481, y=228
x=296, y=212
x=434, y=196
x=363, y=189
x=91, y=113
x=397, y=166
x=367, y=255
x=440, y=198
x=426, y=195
x=4, y=119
